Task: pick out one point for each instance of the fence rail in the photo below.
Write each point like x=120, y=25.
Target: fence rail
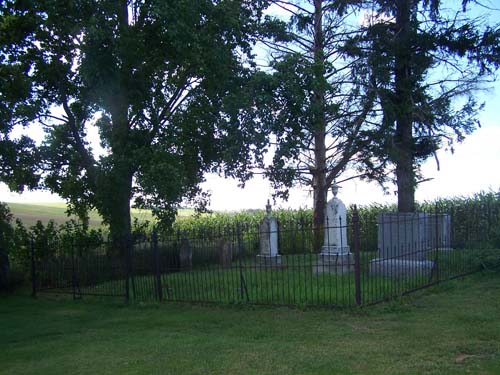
x=410, y=252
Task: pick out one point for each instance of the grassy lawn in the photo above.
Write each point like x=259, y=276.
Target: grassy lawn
x=294, y=283
x=450, y=329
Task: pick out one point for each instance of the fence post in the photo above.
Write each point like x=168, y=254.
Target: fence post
x=243, y=285
x=73, y=274
x=33, y=268
x=128, y=266
x=357, y=266
x=4, y=273
x=438, y=274
x=156, y=257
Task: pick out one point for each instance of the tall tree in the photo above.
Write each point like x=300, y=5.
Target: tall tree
x=162, y=81
x=321, y=103
x=429, y=61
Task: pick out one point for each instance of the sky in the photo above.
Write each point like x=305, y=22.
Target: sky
x=473, y=167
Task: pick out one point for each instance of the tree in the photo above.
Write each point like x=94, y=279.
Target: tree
x=162, y=81
x=321, y=102
x=429, y=63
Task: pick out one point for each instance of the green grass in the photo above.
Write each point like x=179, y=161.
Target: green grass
x=29, y=213
x=293, y=284
x=450, y=329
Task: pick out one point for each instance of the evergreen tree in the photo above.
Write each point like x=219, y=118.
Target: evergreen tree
x=321, y=102
x=429, y=63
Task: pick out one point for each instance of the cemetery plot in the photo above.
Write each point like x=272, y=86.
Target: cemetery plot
x=294, y=283
x=362, y=261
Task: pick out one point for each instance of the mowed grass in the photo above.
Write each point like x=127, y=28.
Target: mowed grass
x=30, y=213
x=296, y=282
x=450, y=329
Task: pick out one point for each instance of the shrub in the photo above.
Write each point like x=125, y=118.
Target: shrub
x=50, y=241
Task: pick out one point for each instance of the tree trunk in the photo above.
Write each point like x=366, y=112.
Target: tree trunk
x=406, y=184
x=403, y=140
x=319, y=123
x=120, y=181
x=119, y=212
x=319, y=190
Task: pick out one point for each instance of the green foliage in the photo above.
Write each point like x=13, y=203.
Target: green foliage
x=51, y=240
x=249, y=219
x=476, y=219
x=18, y=163
x=427, y=64
x=318, y=101
x=5, y=225
x=475, y=223
x=162, y=81
x=140, y=230
x=489, y=259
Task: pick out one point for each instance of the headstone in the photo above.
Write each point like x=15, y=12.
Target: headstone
x=335, y=256
x=185, y=255
x=402, y=236
x=405, y=240
x=268, y=232
x=439, y=229
x=225, y=253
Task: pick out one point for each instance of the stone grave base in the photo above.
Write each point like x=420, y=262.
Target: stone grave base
x=332, y=250
x=401, y=267
x=334, y=263
x=446, y=249
x=269, y=261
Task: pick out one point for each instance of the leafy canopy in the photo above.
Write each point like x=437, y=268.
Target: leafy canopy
x=162, y=82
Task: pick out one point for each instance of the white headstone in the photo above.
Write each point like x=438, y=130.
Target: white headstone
x=335, y=256
x=335, y=241
x=268, y=231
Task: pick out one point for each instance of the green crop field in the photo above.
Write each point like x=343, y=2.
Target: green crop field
x=453, y=328
x=29, y=213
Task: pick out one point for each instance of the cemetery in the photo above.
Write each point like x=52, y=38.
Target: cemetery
x=453, y=328
x=160, y=106
x=362, y=261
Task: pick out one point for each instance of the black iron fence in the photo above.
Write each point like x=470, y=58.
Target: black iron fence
x=378, y=259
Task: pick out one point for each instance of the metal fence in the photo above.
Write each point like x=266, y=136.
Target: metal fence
x=388, y=257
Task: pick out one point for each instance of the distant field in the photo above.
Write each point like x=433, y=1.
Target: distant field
x=30, y=213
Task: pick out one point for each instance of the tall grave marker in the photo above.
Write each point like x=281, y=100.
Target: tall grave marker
x=335, y=256
x=268, y=231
